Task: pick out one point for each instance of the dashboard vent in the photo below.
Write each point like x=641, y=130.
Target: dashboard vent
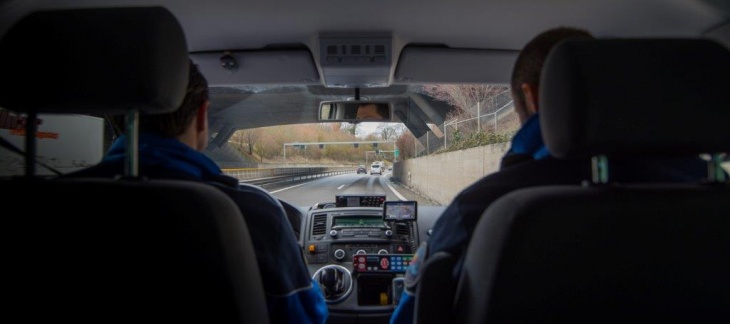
x=402, y=229
x=319, y=225
x=406, y=229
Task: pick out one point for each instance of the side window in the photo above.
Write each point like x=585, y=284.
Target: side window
x=66, y=143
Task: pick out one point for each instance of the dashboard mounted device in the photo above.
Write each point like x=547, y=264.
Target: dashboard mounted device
x=359, y=200
x=399, y=210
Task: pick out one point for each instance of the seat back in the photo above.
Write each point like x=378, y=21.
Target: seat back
x=91, y=250
x=96, y=250
x=605, y=251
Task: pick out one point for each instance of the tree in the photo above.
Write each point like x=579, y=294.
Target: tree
x=464, y=99
x=249, y=137
x=348, y=128
x=390, y=131
x=238, y=141
x=405, y=143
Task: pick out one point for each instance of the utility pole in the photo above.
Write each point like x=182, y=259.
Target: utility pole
x=479, y=118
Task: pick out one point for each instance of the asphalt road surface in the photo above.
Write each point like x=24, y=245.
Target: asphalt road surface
x=305, y=194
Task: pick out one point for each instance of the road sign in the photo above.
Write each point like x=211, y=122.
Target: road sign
x=397, y=152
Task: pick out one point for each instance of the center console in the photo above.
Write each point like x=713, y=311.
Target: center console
x=358, y=254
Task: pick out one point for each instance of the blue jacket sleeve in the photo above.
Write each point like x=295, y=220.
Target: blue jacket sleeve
x=301, y=306
x=404, y=312
x=291, y=295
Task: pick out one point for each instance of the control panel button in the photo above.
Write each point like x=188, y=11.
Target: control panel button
x=333, y=233
x=339, y=254
x=361, y=252
x=383, y=251
x=392, y=263
x=322, y=258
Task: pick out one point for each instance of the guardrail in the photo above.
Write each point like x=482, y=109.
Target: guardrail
x=264, y=177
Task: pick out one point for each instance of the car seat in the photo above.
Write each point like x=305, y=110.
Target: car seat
x=128, y=249
x=608, y=251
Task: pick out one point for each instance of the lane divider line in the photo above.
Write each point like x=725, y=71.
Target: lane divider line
x=395, y=192
x=340, y=187
x=282, y=189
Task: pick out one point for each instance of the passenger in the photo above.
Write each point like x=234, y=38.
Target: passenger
x=527, y=164
x=170, y=147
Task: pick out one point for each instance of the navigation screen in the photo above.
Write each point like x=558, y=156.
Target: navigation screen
x=399, y=210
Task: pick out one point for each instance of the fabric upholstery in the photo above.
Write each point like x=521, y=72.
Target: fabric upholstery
x=635, y=97
x=601, y=254
x=94, y=60
x=96, y=250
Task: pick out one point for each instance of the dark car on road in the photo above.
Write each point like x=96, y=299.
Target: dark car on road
x=362, y=169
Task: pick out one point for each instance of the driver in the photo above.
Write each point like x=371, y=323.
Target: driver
x=372, y=111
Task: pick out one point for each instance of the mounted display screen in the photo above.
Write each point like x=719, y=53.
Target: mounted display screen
x=358, y=221
x=399, y=210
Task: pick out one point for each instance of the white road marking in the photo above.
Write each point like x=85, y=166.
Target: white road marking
x=395, y=191
x=282, y=189
x=340, y=187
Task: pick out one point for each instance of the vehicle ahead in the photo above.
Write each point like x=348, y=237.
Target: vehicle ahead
x=362, y=169
x=271, y=64
x=376, y=169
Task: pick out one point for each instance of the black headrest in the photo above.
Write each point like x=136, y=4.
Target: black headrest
x=629, y=97
x=94, y=60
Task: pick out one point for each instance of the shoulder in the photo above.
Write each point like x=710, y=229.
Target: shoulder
x=453, y=229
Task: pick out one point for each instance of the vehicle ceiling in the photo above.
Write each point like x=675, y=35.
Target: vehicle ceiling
x=484, y=35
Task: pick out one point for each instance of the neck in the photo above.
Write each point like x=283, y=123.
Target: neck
x=189, y=139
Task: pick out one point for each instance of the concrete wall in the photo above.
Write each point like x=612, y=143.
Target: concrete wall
x=441, y=177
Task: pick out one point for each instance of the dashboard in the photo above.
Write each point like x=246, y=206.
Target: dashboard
x=358, y=251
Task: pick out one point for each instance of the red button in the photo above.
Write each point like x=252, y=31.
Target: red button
x=362, y=259
x=361, y=266
x=384, y=263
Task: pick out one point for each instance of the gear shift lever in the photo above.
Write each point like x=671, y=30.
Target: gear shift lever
x=335, y=282
x=329, y=280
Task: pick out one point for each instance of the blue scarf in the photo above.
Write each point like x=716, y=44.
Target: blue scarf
x=528, y=140
x=155, y=150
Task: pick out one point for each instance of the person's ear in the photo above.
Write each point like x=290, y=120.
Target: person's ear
x=202, y=117
x=531, y=101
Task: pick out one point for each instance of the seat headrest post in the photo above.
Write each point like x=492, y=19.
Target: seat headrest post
x=131, y=147
x=31, y=128
x=715, y=173
x=599, y=169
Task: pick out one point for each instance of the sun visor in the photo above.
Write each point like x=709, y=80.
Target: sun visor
x=429, y=64
x=258, y=67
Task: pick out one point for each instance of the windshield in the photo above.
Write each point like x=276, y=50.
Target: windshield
x=464, y=120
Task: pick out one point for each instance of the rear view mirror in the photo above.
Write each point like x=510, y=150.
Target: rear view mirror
x=355, y=111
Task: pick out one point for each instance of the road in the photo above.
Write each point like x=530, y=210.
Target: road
x=325, y=189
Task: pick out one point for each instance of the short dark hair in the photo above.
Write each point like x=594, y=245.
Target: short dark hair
x=174, y=123
x=529, y=62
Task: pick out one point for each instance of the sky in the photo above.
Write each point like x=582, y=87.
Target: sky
x=368, y=128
